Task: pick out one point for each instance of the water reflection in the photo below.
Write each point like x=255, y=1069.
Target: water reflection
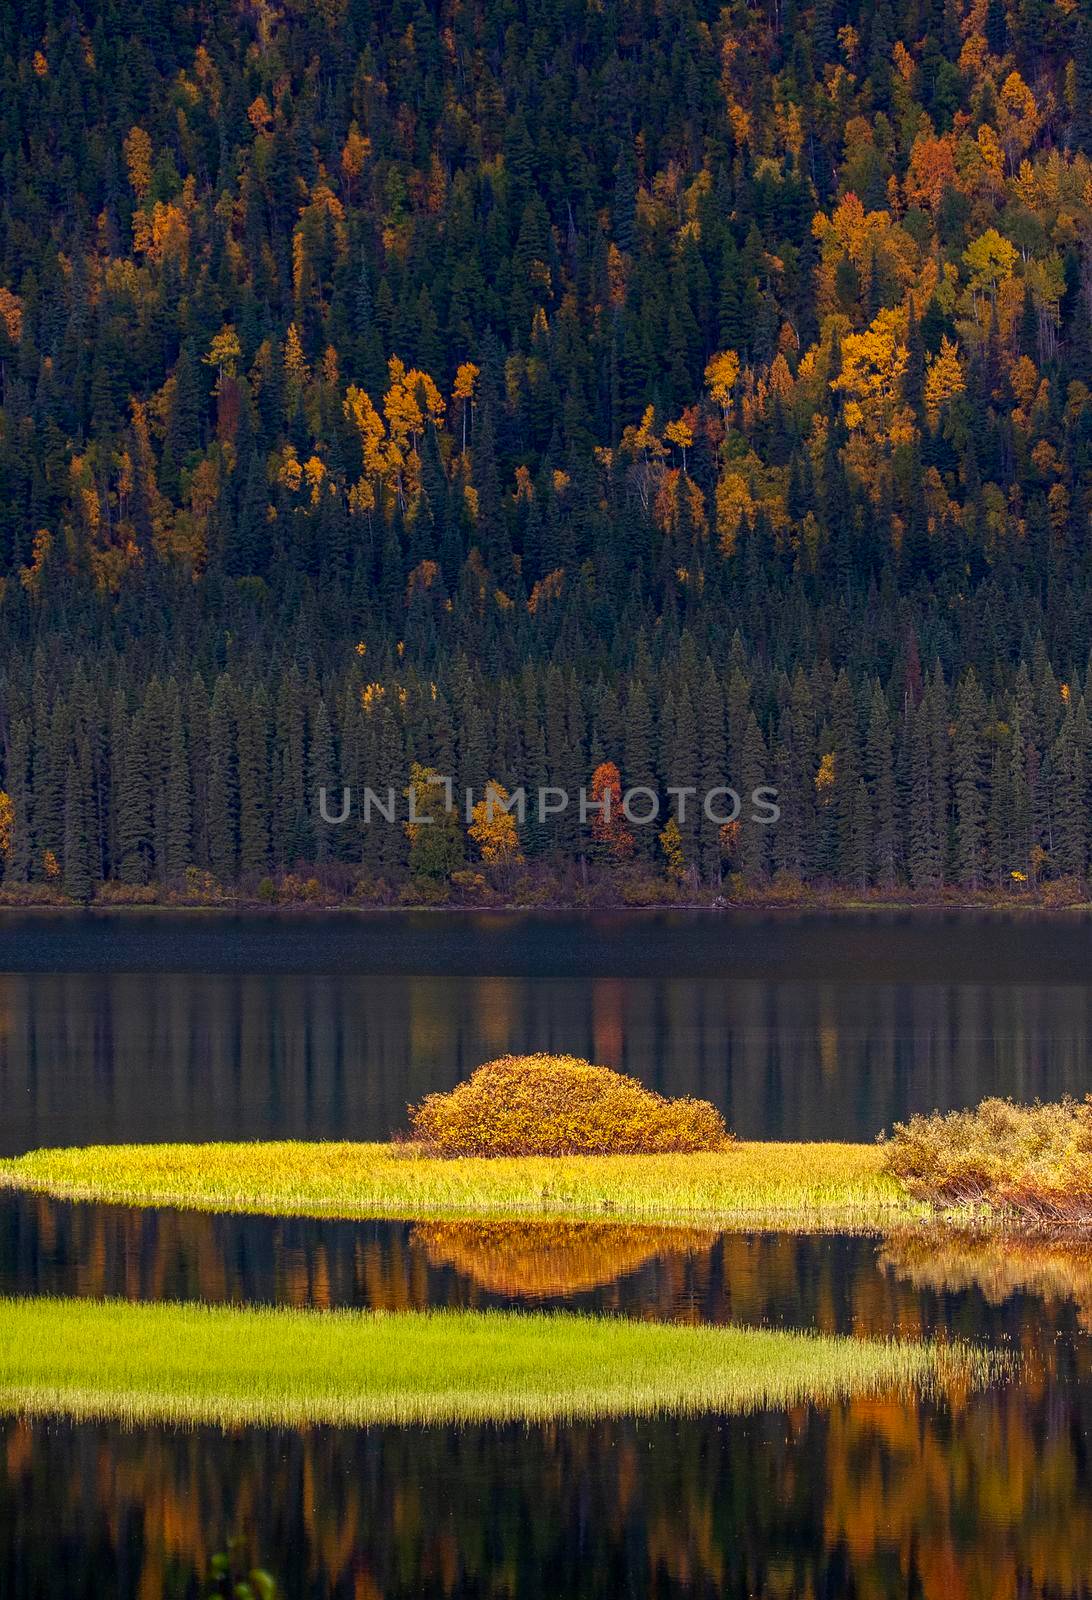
x=113, y=1057
x=906, y=1283
x=982, y=1495
x=869, y=1499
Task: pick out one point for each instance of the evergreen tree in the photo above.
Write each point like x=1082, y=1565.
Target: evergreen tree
x=78, y=881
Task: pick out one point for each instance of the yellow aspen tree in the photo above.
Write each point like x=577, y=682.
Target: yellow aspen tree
x=224, y=352
x=721, y=374
x=493, y=829
x=680, y=433
x=466, y=378
x=355, y=152
x=943, y=380
x=138, y=159
x=297, y=374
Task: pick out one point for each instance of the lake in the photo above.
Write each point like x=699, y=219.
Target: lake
x=138, y=1027
x=213, y=1027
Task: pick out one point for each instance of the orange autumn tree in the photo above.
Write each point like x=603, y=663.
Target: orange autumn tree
x=608, y=823
x=7, y=825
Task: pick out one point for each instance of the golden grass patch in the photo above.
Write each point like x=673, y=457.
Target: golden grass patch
x=801, y=1187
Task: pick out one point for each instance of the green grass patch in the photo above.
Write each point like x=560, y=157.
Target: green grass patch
x=810, y=1187
x=232, y=1366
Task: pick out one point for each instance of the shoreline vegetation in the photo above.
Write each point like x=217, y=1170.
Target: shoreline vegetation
x=232, y=1366
x=310, y=896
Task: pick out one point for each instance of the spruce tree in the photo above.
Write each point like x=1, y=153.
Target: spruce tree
x=78, y=882
x=223, y=784
x=968, y=753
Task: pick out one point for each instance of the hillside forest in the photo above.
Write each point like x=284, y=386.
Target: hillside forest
x=577, y=393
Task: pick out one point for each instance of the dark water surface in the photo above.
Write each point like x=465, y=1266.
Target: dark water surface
x=204, y=1026
x=141, y=1028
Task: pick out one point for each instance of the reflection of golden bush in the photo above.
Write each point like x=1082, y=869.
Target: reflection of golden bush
x=998, y=1267
x=538, y=1260
x=1034, y=1162
x=560, y=1105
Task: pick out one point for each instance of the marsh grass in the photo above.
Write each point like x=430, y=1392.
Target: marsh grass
x=812, y=1187
x=232, y=1366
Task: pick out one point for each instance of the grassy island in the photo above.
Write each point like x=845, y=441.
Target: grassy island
x=793, y=1186
x=231, y=1366
x=554, y=1138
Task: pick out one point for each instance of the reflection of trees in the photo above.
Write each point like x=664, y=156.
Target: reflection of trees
x=986, y=1496
x=114, y=1056
x=546, y=1260
x=874, y=1498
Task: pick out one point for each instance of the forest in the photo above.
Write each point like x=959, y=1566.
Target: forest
x=675, y=393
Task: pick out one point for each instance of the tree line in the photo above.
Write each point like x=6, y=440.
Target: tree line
x=918, y=782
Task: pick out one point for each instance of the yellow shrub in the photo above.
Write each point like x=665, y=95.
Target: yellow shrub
x=1034, y=1162
x=560, y=1105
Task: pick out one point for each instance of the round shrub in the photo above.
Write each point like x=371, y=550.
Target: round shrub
x=561, y=1106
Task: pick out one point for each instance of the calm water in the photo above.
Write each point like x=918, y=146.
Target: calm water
x=194, y=1027
x=197, y=1027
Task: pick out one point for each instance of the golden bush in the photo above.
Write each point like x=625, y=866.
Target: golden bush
x=557, y=1106
x=1034, y=1162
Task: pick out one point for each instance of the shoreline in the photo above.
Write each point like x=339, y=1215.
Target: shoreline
x=791, y=1187
x=812, y=904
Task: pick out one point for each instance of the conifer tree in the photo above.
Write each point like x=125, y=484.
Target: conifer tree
x=78, y=882
x=223, y=783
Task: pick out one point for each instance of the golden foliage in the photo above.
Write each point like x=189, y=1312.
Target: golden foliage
x=873, y=364
x=546, y=589
x=673, y=485
x=11, y=314
x=31, y=576
x=7, y=824
x=672, y=846
x=1032, y=1162
x=493, y=829
x=355, y=152
x=297, y=373
x=734, y=503
x=825, y=777
x=932, y=169
x=560, y=1105
x=610, y=830
x=466, y=377
x=943, y=380
x=224, y=352
x=138, y=159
